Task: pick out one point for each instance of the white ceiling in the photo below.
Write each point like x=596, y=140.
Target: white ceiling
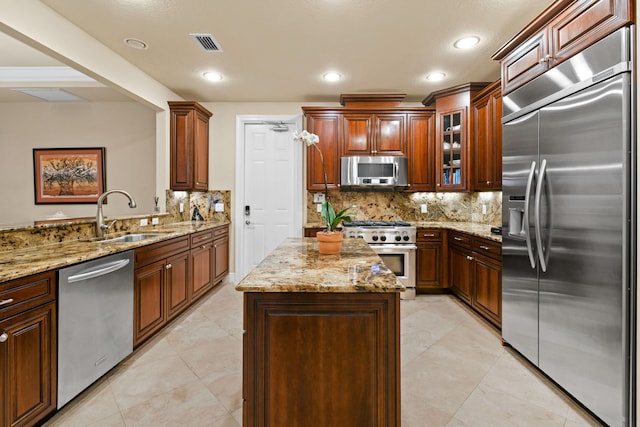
x=277, y=50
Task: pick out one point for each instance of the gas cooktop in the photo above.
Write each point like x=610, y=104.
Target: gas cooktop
x=376, y=224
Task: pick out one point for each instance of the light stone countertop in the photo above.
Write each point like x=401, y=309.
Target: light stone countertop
x=296, y=266
x=18, y=263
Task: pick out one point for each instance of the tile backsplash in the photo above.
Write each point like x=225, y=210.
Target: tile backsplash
x=205, y=201
x=482, y=207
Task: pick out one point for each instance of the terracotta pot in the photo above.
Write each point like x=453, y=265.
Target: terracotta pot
x=329, y=242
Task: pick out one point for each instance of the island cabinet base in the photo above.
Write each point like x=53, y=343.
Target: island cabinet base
x=321, y=359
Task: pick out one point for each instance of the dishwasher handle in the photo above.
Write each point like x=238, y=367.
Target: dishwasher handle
x=101, y=270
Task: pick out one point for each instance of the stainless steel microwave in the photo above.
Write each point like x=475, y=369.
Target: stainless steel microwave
x=373, y=172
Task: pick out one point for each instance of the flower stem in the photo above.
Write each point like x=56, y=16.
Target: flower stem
x=324, y=171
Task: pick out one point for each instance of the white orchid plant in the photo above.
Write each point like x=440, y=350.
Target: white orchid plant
x=331, y=219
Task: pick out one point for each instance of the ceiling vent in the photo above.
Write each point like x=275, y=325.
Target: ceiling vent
x=207, y=42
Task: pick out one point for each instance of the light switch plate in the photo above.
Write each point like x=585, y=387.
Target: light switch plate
x=144, y=222
x=318, y=198
x=219, y=207
x=423, y=208
x=155, y=221
x=181, y=207
x=319, y=207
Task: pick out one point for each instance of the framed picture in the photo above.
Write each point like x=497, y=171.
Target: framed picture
x=68, y=175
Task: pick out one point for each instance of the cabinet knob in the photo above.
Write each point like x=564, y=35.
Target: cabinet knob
x=6, y=301
x=486, y=248
x=470, y=258
x=488, y=182
x=204, y=247
x=168, y=266
x=458, y=239
x=4, y=337
x=546, y=58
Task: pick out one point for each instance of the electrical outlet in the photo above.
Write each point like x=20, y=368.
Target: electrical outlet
x=219, y=207
x=484, y=209
x=155, y=221
x=181, y=207
x=318, y=197
x=144, y=222
x=423, y=209
x=319, y=207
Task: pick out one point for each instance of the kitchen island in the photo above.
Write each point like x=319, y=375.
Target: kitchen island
x=322, y=338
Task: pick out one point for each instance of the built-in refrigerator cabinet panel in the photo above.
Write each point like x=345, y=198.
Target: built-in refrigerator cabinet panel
x=580, y=201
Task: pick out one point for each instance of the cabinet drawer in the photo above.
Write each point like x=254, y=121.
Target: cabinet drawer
x=152, y=253
x=459, y=239
x=487, y=247
x=22, y=294
x=197, y=239
x=220, y=232
x=425, y=234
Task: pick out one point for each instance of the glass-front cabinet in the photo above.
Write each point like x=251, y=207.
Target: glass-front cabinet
x=452, y=151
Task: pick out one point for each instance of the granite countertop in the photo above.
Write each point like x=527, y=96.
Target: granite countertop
x=296, y=266
x=18, y=263
x=473, y=228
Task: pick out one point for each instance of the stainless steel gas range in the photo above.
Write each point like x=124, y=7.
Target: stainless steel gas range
x=395, y=243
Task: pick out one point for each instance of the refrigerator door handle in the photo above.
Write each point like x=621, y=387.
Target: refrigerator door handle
x=525, y=220
x=538, y=227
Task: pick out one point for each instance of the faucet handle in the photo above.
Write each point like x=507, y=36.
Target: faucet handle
x=106, y=227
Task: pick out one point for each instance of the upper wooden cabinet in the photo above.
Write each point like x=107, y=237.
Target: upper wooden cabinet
x=370, y=125
x=370, y=134
x=562, y=30
x=486, y=139
x=189, y=146
x=452, y=135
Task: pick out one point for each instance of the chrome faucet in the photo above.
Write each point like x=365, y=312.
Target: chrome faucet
x=100, y=226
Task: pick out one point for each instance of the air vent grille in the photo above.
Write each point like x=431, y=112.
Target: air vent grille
x=207, y=42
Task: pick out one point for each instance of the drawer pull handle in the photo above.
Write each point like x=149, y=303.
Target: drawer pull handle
x=168, y=266
x=429, y=235
x=4, y=337
x=486, y=248
x=6, y=301
x=459, y=239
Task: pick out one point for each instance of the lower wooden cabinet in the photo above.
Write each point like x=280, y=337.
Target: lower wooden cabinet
x=28, y=348
x=429, y=260
x=475, y=274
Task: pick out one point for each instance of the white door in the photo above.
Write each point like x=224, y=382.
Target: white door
x=271, y=210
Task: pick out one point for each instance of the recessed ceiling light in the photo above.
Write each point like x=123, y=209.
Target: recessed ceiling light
x=466, y=42
x=435, y=76
x=212, y=76
x=135, y=43
x=331, y=76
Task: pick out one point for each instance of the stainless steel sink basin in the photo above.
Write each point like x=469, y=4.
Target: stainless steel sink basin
x=132, y=238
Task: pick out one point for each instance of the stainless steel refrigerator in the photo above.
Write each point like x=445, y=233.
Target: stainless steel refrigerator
x=568, y=211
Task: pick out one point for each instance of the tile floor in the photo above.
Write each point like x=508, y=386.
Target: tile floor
x=455, y=372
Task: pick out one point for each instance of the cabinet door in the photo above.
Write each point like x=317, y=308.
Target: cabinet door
x=461, y=273
x=28, y=366
x=357, y=135
x=202, y=259
x=487, y=142
x=201, y=153
x=390, y=135
x=148, y=301
x=221, y=265
x=583, y=23
x=327, y=127
x=487, y=293
x=526, y=62
x=177, y=284
x=420, y=134
x=429, y=266
x=181, y=135
x=451, y=151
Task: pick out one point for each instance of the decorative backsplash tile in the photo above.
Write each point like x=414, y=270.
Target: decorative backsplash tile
x=204, y=201
x=461, y=207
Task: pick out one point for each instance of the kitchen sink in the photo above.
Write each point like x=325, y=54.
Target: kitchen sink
x=136, y=237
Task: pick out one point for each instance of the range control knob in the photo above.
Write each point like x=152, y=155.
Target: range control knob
x=398, y=238
x=383, y=238
x=406, y=238
x=360, y=236
x=374, y=238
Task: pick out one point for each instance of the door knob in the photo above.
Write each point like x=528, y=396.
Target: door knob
x=247, y=222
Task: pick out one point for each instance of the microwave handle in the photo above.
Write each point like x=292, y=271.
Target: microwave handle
x=396, y=169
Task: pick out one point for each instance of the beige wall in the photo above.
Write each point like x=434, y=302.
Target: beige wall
x=126, y=129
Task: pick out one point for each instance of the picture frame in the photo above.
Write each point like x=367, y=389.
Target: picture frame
x=68, y=175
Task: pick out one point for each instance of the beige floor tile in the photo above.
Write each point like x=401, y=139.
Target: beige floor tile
x=227, y=388
x=422, y=414
x=193, y=331
x=223, y=355
x=139, y=383
x=95, y=404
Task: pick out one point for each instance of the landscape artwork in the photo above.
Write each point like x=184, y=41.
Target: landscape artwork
x=68, y=175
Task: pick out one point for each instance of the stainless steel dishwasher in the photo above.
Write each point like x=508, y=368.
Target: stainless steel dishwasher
x=95, y=321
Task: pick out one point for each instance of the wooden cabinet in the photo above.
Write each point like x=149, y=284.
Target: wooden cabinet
x=28, y=346
x=486, y=139
x=421, y=151
x=189, y=146
x=429, y=260
x=371, y=134
x=562, y=30
x=161, y=285
x=221, y=253
x=328, y=128
x=452, y=150
x=209, y=259
x=475, y=274
x=311, y=231
x=321, y=359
